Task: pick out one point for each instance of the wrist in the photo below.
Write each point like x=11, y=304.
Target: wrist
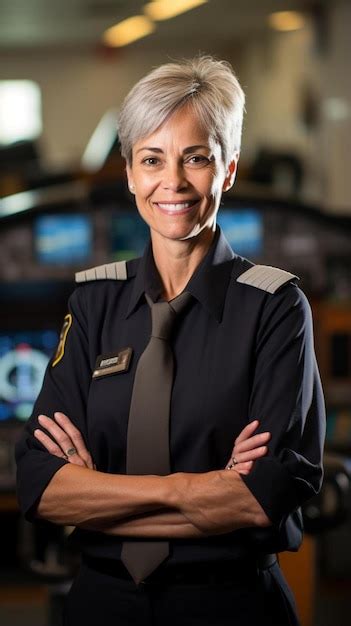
x=174, y=485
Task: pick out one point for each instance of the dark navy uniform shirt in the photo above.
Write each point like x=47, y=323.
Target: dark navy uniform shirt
x=241, y=354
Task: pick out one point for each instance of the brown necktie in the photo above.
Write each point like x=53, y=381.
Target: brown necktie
x=148, y=427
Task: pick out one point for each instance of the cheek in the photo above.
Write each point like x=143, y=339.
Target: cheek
x=146, y=185
x=143, y=202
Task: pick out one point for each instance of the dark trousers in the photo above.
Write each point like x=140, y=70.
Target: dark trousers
x=255, y=598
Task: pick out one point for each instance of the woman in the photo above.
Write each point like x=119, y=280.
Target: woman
x=243, y=368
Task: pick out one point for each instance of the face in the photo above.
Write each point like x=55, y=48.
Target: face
x=178, y=176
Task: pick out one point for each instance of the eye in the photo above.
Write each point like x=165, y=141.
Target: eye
x=151, y=161
x=198, y=159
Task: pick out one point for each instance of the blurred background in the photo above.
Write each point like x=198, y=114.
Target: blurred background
x=65, y=67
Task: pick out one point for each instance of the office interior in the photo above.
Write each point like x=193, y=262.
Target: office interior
x=65, y=206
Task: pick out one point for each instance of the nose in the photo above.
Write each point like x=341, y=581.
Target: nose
x=174, y=178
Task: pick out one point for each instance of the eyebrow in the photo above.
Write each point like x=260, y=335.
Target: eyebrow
x=187, y=150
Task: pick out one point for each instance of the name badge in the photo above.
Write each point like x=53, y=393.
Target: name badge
x=107, y=364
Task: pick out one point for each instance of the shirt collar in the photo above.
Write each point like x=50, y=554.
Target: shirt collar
x=208, y=284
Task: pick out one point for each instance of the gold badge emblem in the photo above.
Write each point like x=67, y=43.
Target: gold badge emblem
x=67, y=323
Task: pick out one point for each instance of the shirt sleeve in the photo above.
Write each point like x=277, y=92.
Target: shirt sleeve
x=287, y=399
x=65, y=389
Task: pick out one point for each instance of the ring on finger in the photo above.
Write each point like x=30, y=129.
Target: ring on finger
x=71, y=452
x=234, y=462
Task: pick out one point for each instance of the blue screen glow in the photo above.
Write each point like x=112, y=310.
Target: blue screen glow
x=23, y=360
x=243, y=229
x=63, y=239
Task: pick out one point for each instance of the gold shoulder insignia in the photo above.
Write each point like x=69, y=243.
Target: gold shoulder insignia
x=67, y=323
x=109, y=271
x=266, y=277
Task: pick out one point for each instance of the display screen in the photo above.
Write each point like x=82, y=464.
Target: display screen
x=23, y=360
x=243, y=229
x=63, y=239
x=129, y=234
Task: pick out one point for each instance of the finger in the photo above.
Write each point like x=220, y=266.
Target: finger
x=251, y=455
x=76, y=438
x=247, y=431
x=244, y=468
x=48, y=443
x=253, y=442
x=241, y=468
x=60, y=437
x=245, y=465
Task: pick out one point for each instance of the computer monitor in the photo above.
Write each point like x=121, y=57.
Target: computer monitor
x=63, y=239
x=24, y=356
x=243, y=228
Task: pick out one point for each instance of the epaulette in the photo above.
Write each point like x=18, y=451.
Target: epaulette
x=266, y=277
x=109, y=271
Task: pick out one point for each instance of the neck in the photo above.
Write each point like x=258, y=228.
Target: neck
x=177, y=260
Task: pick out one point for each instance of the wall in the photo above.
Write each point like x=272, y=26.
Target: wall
x=280, y=70
x=337, y=110
x=290, y=75
x=77, y=89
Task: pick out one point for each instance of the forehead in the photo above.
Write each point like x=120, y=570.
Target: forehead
x=182, y=129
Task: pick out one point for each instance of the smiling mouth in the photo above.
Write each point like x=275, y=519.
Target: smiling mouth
x=176, y=207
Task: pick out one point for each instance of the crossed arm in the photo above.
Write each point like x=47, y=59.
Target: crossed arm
x=178, y=505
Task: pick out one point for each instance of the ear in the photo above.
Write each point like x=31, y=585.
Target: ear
x=130, y=179
x=231, y=173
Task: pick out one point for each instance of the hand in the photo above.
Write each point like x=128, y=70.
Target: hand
x=248, y=447
x=65, y=437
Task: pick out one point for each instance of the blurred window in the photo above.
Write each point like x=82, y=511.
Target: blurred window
x=20, y=110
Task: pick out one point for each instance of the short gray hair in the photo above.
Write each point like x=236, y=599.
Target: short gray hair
x=208, y=85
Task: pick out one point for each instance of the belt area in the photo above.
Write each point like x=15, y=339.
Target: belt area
x=190, y=573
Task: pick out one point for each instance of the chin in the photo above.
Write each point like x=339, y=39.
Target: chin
x=182, y=234
x=194, y=232
x=185, y=231
x=208, y=228
x=175, y=231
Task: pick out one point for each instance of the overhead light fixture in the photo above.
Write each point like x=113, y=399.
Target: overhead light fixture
x=128, y=31
x=165, y=9
x=286, y=20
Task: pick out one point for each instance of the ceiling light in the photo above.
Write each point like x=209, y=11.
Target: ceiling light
x=165, y=9
x=128, y=31
x=286, y=20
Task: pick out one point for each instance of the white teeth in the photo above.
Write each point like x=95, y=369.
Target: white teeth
x=179, y=206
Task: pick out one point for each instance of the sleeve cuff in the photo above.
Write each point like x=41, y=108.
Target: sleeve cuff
x=34, y=473
x=273, y=487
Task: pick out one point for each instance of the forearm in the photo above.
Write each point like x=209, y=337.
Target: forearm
x=210, y=503
x=167, y=523
x=196, y=515
x=77, y=496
